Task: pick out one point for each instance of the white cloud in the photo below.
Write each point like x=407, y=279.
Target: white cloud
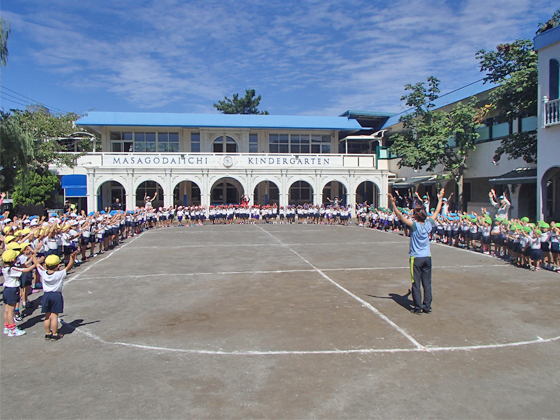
x=318, y=56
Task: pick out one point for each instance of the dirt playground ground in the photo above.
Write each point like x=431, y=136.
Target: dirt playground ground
x=288, y=321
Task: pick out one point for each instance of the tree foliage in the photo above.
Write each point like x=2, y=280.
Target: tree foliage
x=29, y=144
x=246, y=105
x=38, y=188
x=513, y=67
x=551, y=23
x=5, y=29
x=431, y=138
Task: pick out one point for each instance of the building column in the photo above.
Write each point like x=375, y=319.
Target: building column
x=205, y=191
x=317, y=191
x=283, y=189
x=383, y=189
x=351, y=193
x=91, y=190
x=168, y=191
x=130, y=193
x=250, y=191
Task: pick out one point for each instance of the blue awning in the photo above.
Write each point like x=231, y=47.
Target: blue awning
x=74, y=185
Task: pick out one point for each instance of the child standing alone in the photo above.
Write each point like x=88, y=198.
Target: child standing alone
x=53, y=302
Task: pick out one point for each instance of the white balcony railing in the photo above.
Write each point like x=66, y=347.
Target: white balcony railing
x=227, y=160
x=551, y=112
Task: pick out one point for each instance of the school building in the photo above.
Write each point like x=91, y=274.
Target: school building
x=204, y=159
x=483, y=173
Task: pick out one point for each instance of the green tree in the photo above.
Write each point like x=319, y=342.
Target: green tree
x=38, y=188
x=237, y=105
x=431, y=138
x=30, y=143
x=5, y=29
x=513, y=67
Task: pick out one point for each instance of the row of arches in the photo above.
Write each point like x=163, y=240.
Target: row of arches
x=230, y=191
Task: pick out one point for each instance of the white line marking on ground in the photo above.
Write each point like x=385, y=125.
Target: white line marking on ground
x=363, y=302
x=312, y=352
x=238, y=244
x=100, y=259
x=227, y=273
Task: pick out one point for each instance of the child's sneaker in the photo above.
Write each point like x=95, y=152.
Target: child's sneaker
x=15, y=332
x=17, y=317
x=6, y=330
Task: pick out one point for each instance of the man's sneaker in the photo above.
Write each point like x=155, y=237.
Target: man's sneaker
x=416, y=311
x=17, y=318
x=427, y=311
x=15, y=332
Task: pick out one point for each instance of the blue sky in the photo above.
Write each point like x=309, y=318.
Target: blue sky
x=304, y=57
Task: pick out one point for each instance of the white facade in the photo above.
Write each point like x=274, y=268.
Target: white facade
x=205, y=177
x=548, y=172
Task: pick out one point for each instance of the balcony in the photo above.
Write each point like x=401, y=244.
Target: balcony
x=551, y=112
x=233, y=161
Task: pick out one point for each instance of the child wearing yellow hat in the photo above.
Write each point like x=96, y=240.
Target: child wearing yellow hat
x=10, y=295
x=53, y=303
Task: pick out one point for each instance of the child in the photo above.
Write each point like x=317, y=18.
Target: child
x=53, y=303
x=10, y=296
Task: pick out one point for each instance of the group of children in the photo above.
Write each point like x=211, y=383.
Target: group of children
x=34, y=249
x=242, y=214
x=524, y=244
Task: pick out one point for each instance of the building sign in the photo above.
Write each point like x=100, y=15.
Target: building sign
x=178, y=160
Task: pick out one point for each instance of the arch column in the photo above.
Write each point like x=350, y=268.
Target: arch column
x=351, y=193
x=250, y=191
x=168, y=191
x=317, y=190
x=130, y=192
x=205, y=191
x=383, y=189
x=283, y=189
x=92, y=191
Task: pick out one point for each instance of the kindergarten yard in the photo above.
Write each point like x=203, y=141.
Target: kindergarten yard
x=288, y=321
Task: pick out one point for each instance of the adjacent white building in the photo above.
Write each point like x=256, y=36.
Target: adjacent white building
x=547, y=44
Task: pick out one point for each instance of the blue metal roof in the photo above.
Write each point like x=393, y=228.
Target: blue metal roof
x=141, y=119
x=547, y=38
x=448, y=99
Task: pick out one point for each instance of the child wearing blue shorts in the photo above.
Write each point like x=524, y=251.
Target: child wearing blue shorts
x=53, y=302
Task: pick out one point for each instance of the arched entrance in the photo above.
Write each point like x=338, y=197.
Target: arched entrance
x=335, y=190
x=186, y=193
x=107, y=194
x=368, y=192
x=149, y=188
x=266, y=192
x=300, y=192
x=551, y=194
x=224, y=144
x=226, y=191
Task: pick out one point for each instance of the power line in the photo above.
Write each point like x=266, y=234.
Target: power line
x=445, y=94
x=31, y=99
x=14, y=101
